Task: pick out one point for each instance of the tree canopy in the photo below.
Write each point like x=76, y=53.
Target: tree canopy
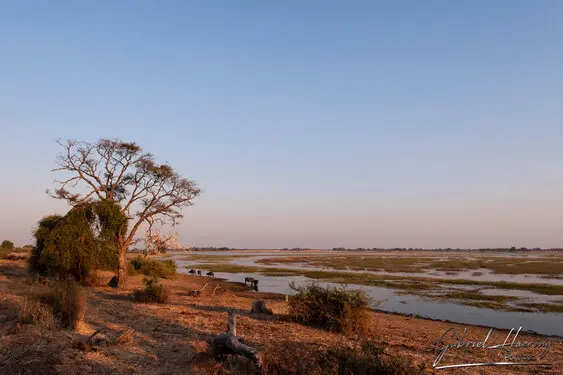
x=6, y=244
x=112, y=170
x=80, y=242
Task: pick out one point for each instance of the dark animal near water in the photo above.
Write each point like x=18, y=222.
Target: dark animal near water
x=253, y=283
x=192, y=272
x=199, y=272
x=210, y=274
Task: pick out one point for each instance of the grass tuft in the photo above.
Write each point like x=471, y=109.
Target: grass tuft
x=153, y=292
x=336, y=309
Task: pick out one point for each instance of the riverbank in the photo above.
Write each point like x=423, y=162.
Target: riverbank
x=169, y=339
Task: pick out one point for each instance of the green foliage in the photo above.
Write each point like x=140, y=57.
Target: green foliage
x=154, y=268
x=153, y=292
x=82, y=241
x=364, y=358
x=6, y=244
x=336, y=309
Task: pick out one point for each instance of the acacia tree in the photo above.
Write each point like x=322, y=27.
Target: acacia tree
x=156, y=242
x=117, y=171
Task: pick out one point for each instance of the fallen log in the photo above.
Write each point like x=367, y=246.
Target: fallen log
x=196, y=292
x=228, y=343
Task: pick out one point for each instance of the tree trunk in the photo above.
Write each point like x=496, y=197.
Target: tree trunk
x=122, y=271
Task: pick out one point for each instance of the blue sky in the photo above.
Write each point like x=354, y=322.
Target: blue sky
x=306, y=123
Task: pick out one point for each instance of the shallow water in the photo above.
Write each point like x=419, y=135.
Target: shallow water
x=486, y=274
x=390, y=301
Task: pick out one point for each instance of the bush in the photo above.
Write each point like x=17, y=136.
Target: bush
x=336, y=309
x=154, y=268
x=82, y=241
x=7, y=245
x=4, y=252
x=153, y=292
x=131, y=271
x=365, y=358
x=93, y=280
x=32, y=311
x=69, y=303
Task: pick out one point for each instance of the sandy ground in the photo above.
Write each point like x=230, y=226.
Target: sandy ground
x=170, y=339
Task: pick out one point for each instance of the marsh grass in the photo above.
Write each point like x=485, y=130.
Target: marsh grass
x=389, y=281
x=212, y=258
x=544, y=307
x=494, y=305
x=465, y=295
x=412, y=264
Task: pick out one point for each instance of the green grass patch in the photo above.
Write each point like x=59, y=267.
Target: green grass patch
x=465, y=295
x=153, y=268
x=544, y=307
x=412, y=264
x=494, y=305
x=390, y=281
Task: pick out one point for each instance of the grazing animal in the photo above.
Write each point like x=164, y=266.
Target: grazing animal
x=210, y=274
x=192, y=272
x=248, y=280
x=199, y=272
x=254, y=284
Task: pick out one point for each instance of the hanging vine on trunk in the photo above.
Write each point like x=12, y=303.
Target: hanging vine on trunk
x=116, y=171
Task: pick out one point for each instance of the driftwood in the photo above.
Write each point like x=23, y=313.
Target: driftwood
x=196, y=292
x=91, y=343
x=228, y=343
x=259, y=307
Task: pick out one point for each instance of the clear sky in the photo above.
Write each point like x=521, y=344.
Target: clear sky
x=306, y=123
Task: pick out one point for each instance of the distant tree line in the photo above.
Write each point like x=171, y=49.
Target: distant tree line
x=211, y=248
x=499, y=249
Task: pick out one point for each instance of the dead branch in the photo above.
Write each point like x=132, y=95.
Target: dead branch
x=228, y=343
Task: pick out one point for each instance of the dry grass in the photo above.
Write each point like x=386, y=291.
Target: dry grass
x=69, y=303
x=153, y=292
x=33, y=311
x=336, y=309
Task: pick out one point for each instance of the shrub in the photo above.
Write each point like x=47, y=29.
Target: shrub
x=7, y=245
x=4, y=252
x=336, y=309
x=365, y=358
x=68, y=302
x=82, y=241
x=93, y=280
x=131, y=271
x=154, y=268
x=153, y=292
x=32, y=311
